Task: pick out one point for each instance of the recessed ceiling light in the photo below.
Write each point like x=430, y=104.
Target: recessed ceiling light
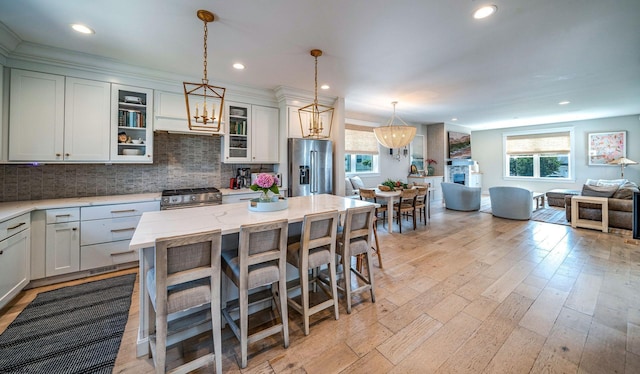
x=238, y=66
x=325, y=87
x=485, y=11
x=454, y=119
x=564, y=102
x=82, y=29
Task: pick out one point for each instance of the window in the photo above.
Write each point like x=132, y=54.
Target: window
x=539, y=155
x=361, y=150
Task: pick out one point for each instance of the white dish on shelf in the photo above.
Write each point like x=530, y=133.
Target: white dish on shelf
x=132, y=152
x=136, y=141
x=132, y=99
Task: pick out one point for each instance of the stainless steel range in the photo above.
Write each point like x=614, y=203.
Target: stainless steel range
x=190, y=198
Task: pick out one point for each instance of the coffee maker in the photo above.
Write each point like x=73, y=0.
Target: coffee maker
x=243, y=177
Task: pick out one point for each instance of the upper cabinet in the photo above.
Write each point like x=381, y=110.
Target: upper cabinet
x=53, y=118
x=171, y=114
x=251, y=134
x=36, y=116
x=131, y=128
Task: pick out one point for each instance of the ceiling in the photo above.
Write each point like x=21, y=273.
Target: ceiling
x=510, y=69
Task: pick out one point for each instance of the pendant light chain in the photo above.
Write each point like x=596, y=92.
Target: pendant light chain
x=315, y=99
x=206, y=33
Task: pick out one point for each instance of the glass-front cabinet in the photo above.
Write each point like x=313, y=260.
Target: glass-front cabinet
x=132, y=128
x=238, y=142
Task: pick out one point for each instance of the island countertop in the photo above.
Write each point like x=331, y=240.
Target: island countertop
x=229, y=217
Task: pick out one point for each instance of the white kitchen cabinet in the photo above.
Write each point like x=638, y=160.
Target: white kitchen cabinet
x=240, y=197
x=62, y=241
x=434, y=180
x=251, y=134
x=131, y=124
x=87, y=120
x=53, y=118
x=14, y=257
x=36, y=116
x=475, y=180
x=171, y=114
x=106, y=232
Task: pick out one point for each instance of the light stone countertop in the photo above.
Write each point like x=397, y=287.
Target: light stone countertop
x=229, y=217
x=12, y=209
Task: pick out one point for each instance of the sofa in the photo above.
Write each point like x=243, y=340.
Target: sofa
x=619, y=194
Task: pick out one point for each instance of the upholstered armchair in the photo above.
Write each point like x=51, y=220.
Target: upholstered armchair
x=511, y=202
x=460, y=197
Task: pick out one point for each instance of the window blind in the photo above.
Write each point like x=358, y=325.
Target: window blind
x=360, y=140
x=555, y=142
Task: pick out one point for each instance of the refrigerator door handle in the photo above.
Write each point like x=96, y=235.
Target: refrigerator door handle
x=312, y=182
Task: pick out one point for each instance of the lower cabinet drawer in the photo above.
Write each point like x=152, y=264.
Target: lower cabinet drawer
x=98, y=255
x=108, y=230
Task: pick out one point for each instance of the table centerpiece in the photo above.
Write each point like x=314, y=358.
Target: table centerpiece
x=269, y=199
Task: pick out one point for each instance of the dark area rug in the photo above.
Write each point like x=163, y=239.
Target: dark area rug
x=75, y=329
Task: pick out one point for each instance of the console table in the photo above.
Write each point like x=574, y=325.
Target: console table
x=587, y=223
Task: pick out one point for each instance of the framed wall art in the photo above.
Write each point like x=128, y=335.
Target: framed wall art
x=605, y=147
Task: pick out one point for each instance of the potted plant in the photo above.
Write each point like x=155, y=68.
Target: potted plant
x=430, y=169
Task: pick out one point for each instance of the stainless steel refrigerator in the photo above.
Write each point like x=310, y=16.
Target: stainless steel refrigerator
x=310, y=167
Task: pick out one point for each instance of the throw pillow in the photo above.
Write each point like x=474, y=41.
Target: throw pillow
x=357, y=182
x=626, y=191
x=599, y=191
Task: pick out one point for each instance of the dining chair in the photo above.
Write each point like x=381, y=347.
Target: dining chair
x=186, y=275
x=316, y=247
x=406, y=206
x=422, y=203
x=370, y=195
x=260, y=260
x=355, y=240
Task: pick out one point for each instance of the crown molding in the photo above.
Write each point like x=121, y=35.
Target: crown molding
x=297, y=97
x=60, y=61
x=9, y=40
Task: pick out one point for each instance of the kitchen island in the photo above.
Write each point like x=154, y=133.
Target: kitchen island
x=228, y=218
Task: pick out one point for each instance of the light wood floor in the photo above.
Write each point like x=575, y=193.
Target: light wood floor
x=467, y=293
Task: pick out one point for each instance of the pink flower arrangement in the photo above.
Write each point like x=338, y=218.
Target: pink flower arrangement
x=265, y=183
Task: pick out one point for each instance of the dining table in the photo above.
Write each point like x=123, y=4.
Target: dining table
x=390, y=197
x=227, y=217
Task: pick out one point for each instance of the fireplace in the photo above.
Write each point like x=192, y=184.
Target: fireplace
x=459, y=178
x=458, y=171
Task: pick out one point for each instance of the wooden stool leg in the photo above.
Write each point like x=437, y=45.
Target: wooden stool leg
x=375, y=236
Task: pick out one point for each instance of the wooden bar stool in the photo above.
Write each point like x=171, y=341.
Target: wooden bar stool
x=422, y=203
x=370, y=195
x=186, y=275
x=261, y=260
x=355, y=240
x=317, y=247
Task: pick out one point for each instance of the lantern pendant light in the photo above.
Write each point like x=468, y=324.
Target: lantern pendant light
x=202, y=94
x=314, y=117
x=395, y=136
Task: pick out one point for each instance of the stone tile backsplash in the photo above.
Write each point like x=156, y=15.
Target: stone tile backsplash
x=180, y=161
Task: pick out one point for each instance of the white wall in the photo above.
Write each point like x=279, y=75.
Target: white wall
x=486, y=149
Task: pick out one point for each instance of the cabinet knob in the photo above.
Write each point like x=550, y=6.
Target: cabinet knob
x=149, y=155
x=1, y=252
x=58, y=154
x=74, y=229
x=67, y=155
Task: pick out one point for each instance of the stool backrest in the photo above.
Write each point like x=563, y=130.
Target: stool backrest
x=263, y=242
x=358, y=224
